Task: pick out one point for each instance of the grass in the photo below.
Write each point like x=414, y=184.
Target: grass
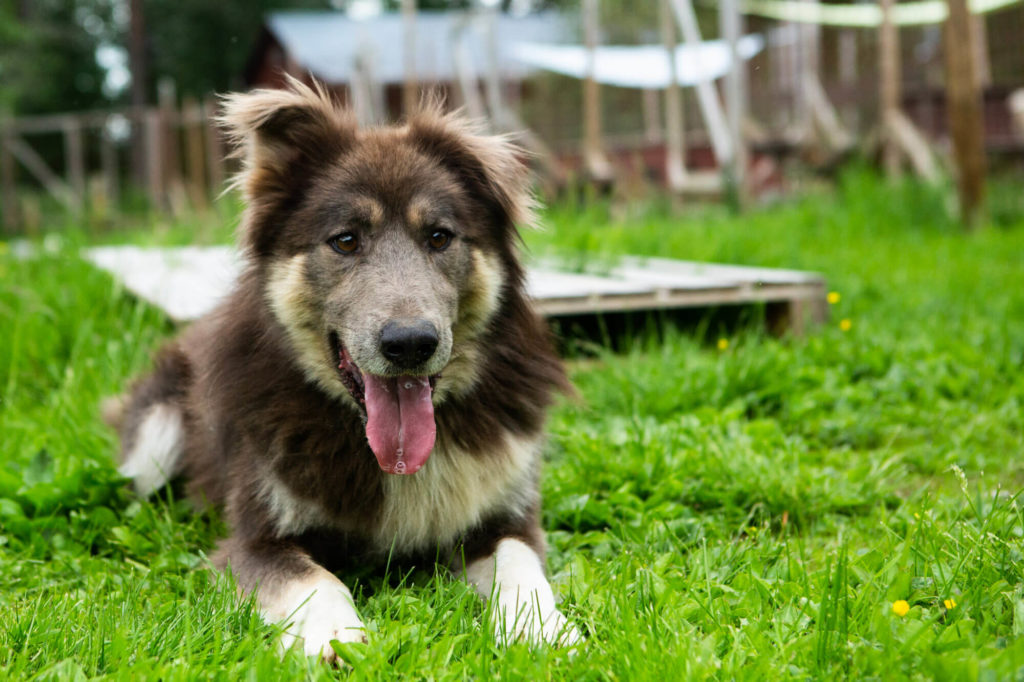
x=751, y=512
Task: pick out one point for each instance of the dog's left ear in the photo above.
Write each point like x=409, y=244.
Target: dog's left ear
x=279, y=132
x=491, y=167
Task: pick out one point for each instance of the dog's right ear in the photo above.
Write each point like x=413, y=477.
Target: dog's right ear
x=279, y=133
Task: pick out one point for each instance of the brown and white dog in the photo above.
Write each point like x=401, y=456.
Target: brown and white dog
x=377, y=382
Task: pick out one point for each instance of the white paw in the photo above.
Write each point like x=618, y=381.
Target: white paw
x=322, y=613
x=553, y=629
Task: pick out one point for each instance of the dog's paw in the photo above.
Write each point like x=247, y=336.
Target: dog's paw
x=327, y=613
x=551, y=629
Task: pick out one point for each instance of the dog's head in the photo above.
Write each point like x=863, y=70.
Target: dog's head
x=383, y=252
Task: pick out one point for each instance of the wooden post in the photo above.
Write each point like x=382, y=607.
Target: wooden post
x=650, y=102
x=74, y=157
x=170, y=124
x=889, y=83
x=214, y=147
x=468, y=89
x=192, y=119
x=110, y=168
x=731, y=26
x=983, y=65
x=848, y=76
x=964, y=104
x=493, y=82
x=154, y=155
x=594, y=160
x=140, y=76
x=8, y=191
x=707, y=97
x=410, y=88
x=675, y=149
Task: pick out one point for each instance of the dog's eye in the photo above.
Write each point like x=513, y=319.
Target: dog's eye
x=345, y=243
x=440, y=239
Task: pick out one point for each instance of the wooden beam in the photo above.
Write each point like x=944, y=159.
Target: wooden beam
x=731, y=25
x=52, y=182
x=495, y=106
x=707, y=97
x=194, y=153
x=909, y=140
x=824, y=115
x=74, y=156
x=890, y=86
x=675, y=147
x=8, y=190
x=111, y=169
x=964, y=104
x=410, y=87
x=594, y=159
x=469, y=90
x=214, y=147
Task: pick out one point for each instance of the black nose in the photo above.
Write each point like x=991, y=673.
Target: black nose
x=408, y=344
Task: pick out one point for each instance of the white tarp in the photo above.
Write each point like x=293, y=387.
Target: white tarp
x=864, y=15
x=639, y=66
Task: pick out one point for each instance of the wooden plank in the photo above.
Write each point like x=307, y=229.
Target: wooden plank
x=735, y=88
x=214, y=147
x=913, y=144
x=187, y=282
x=111, y=169
x=35, y=164
x=410, y=88
x=194, y=153
x=170, y=125
x=890, y=86
x=153, y=156
x=675, y=122
x=8, y=191
x=964, y=109
x=594, y=160
x=184, y=282
x=74, y=156
x=707, y=97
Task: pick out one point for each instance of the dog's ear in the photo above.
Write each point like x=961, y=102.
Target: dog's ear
x=490, y=167
x=279, y=132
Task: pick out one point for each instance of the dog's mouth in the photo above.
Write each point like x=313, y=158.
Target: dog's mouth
x=398, y=411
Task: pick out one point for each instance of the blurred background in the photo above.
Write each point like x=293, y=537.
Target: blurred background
x=107, y=106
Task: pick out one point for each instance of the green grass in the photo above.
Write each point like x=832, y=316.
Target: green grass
x=745, y=513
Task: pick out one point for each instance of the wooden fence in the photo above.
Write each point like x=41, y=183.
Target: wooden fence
x=174, y=152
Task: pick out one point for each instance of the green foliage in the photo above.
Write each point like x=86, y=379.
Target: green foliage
x=749, y=512
x=48, y=59
x=204, y=46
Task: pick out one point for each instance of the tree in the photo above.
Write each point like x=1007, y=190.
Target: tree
x=49, y=58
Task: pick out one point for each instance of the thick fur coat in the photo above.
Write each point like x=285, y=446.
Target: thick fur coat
x=377, y=382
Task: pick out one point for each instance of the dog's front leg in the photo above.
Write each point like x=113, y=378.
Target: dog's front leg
x=523, y=604
x=293, y=590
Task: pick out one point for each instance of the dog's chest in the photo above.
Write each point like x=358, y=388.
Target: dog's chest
x=453, y=492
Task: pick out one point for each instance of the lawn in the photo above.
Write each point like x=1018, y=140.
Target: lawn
x=720, y=504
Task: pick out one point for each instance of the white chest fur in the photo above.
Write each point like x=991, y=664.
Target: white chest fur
x=451, y=493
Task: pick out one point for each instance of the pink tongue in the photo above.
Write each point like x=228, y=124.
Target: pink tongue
x=399, y=421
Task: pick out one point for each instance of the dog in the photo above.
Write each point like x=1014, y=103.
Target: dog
x=376, y=384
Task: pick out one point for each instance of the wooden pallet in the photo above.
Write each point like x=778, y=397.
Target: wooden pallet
x=187, y=282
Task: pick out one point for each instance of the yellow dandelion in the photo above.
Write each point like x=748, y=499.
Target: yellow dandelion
x=723, y=344
x=845, y=324
x=900, y=607
x=949, y=603
x=833, y=297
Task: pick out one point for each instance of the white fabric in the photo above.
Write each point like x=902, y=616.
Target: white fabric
x=640, y=66
x=864, y=15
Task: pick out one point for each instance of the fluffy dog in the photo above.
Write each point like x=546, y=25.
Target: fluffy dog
x=377, y=382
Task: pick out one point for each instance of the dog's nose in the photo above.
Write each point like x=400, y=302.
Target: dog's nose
x=408, y=344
